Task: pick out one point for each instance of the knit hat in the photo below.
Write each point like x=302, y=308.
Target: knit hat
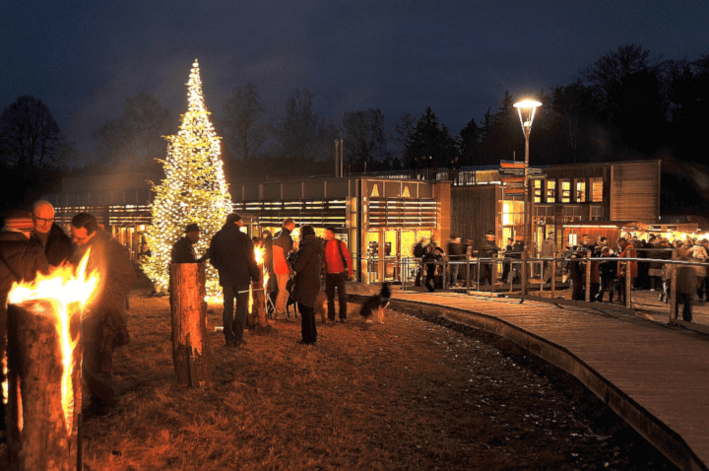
x=19, y=220
x=232, y=218
x=306, y=231
x=192, y=228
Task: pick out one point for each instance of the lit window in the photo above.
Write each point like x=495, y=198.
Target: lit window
x=537, y=190
x=565, y=191
x=551, y=191
x=580, y=191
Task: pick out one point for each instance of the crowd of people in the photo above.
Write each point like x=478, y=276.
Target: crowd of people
x=295, y=273
x=32, y=243
x=608, y=274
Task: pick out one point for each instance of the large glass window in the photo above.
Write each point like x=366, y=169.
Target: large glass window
x=565, y=191
x=537, y=185
x=580, y=191
x=551, y=191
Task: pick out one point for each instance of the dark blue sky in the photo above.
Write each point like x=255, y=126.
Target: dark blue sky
x=83, y=58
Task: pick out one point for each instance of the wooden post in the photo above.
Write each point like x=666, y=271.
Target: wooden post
x=524, y=273
x=627, y=281
x=256, y=319
x=673, y=287
x=41, y=433
x=588, y=276
x=553, y=275
x=191, y=354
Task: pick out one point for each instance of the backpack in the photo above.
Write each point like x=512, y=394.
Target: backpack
x=418, y=250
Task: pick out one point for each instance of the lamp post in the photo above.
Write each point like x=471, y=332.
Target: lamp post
x=526, y=110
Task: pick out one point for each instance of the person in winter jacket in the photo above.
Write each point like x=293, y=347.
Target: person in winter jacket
x=232, y=254
x=626, y=251
x=55, y=243
x=548, y=249
x=430, y=259
x=183, y=249
x=282, y=248
x=306, y=285
x=699, y=254
x=686, y=284
x=608, y=271
x=338, y=267
x=455, y=254
x=106, y=325
x=20, y=260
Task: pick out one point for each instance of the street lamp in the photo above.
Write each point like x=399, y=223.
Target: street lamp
x=526, y=110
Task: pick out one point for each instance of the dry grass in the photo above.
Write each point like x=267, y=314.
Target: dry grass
x=409, y=394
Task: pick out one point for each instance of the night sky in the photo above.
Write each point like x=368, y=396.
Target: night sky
x=83, y=58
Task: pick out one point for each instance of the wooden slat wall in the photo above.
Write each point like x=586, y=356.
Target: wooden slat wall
x=473, y=212
x=635, y=191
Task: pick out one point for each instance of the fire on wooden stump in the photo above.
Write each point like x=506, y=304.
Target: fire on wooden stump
x=44, y=374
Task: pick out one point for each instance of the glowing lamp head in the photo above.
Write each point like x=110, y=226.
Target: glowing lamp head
x=526, y=110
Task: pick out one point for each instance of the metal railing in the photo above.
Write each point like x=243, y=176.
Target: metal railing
x=552, y=279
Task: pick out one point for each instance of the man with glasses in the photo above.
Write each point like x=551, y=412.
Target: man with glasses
x=106, y=325
x=55, y=243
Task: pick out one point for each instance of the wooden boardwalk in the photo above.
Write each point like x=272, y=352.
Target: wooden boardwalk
x=656, y=377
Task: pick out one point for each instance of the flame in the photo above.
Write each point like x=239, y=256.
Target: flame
x=260, y=254
x=68, y=293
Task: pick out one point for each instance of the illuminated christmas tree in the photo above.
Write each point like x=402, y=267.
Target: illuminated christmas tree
x=194, y=190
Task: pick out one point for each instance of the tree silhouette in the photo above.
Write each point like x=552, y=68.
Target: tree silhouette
x=135, y=137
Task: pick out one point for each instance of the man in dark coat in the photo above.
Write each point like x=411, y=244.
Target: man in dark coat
x=419, y=250
x=686, y=285
x=183, y=249
x=232, y=254
x=488, y=249
x=106, y=326
x=455, y=255
x=306, y=286
x=20, y=260
x=55, y=243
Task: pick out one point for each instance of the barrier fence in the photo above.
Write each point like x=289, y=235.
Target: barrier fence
x=557, y=279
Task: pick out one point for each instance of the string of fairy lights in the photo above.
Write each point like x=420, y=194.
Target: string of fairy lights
x=194, y=190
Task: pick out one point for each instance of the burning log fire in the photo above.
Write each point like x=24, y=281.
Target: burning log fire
x=257, y=294
x=44, y=331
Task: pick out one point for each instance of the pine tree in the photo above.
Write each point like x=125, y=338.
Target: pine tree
x=194, y=190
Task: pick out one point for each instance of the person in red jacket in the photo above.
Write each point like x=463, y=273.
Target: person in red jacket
x=338, y=267
x=282, y=248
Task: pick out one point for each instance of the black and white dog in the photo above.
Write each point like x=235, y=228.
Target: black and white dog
x=374, y=306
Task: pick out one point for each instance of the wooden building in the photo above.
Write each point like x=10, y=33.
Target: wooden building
x=378, y=217
x=564, y=194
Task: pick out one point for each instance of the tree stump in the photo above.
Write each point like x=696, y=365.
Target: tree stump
x=191, y=354
x=257, y=318
x=41, y=433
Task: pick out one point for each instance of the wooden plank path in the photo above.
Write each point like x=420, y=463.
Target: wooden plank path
x=656, y=377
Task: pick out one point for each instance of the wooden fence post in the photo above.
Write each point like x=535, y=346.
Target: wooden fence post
x=588, y=277
x=627, y=281
x=553, y=274
x=191, y=353
x=673, y=287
